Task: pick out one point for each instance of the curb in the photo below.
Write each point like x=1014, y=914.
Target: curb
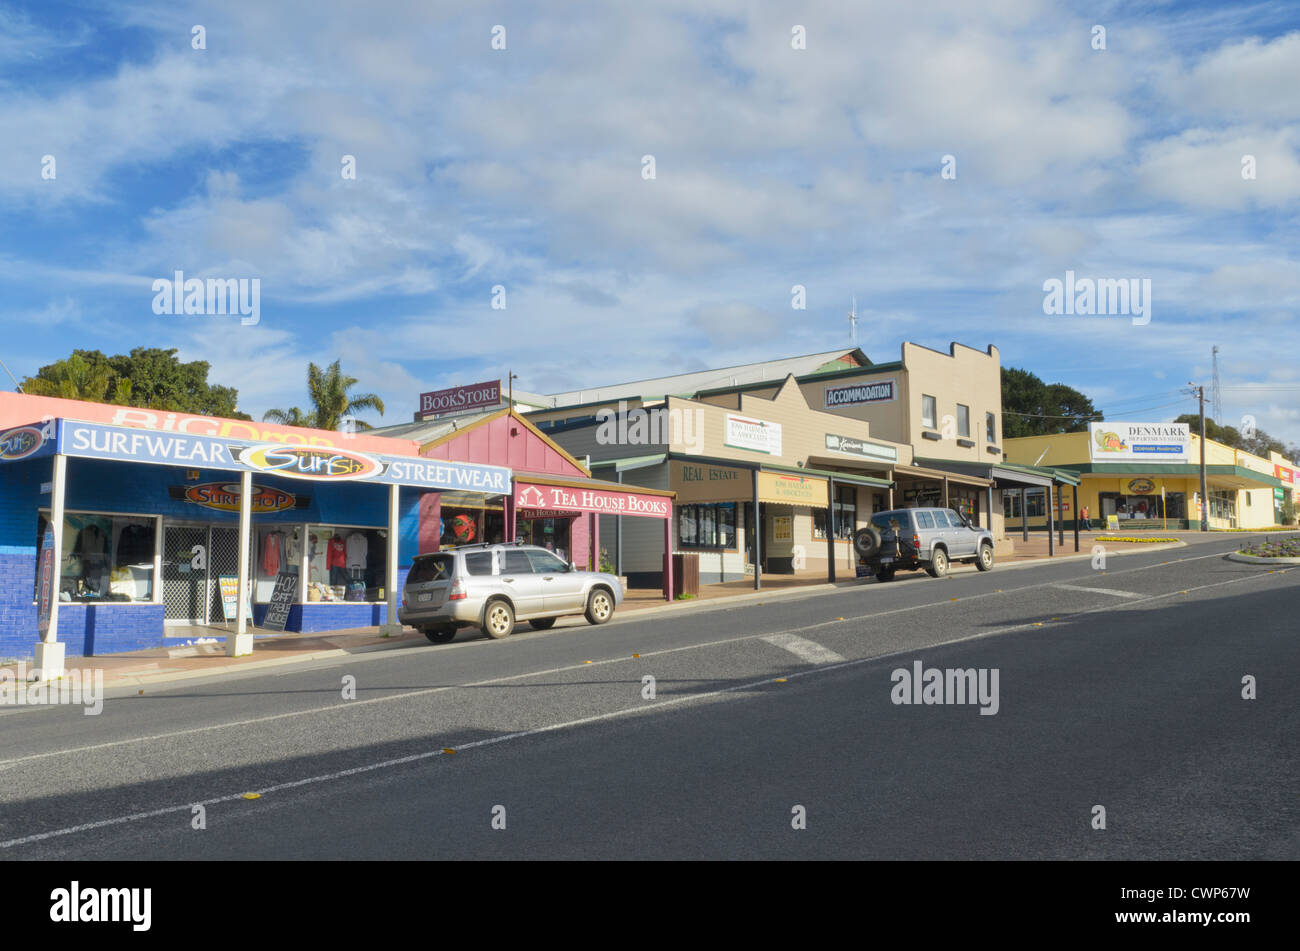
x=689, y=607
x=1260, y=560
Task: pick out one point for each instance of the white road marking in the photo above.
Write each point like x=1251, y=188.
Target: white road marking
x=804, y=649
x=380, y=655
x=597, y=718
x=1115, y=592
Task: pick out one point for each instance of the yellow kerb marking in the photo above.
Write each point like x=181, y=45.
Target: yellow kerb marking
x=252, y=795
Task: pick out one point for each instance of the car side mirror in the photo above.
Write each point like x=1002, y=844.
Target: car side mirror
x=573, y=566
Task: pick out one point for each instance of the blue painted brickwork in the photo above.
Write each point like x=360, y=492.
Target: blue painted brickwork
x=100, y=486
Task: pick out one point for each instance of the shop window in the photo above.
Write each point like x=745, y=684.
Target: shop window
x=278, y=549
x=929, y=410
x=549, y=533
x=963, y=421
x=990, y=427
x=106, y=558
x=707, y=526
x=346, y=563
x=845, y=508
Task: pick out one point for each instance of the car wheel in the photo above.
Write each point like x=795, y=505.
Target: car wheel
x=938, y=563
x=498, y=619
x=985, y=560
x=600, y=606
x=885, y=574
x=440, y=634
x=866, y=541
x=542, y=623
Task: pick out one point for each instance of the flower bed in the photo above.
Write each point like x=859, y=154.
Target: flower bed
x=1281, y=548
x=1133, y=539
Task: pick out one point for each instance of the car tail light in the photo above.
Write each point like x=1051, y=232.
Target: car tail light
x=458, y=592
x=916, y=542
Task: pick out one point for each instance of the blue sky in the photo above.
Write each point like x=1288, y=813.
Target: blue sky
x=774, y=167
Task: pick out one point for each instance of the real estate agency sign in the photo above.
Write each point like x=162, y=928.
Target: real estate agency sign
x=531, y=496
x=460, y=398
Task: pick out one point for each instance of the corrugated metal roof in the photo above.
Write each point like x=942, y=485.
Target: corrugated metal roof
x=767, y=371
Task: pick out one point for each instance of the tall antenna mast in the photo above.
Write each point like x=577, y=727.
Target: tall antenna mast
x=853, y=322
x=1214, y=388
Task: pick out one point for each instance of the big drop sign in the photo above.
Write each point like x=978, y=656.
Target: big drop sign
x=532, y=496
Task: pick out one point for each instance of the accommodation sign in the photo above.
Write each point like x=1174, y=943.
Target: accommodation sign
x=860, y=447
x=878, y=391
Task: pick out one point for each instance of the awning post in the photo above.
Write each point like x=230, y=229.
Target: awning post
x=1051, y=540
x=758, y=537
x=830, y=531
x=392, y=627
x=50, y=651
x=1076, y=517
x=241, y=642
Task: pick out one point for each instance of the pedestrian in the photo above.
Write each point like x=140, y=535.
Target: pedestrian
x=1083, y=518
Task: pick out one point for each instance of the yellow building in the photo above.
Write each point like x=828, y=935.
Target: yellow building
x=1147, y=475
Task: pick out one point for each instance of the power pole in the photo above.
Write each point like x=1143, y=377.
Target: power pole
x=1216, y=404
x=1205, y=498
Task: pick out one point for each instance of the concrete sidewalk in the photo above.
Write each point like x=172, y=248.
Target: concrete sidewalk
x=163, y=665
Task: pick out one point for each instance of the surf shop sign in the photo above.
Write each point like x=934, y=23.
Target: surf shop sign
x=224, y=497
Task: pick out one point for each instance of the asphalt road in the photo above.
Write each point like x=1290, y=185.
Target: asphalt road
x=1119, y=688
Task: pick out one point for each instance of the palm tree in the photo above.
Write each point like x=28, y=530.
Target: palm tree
x=330, y=399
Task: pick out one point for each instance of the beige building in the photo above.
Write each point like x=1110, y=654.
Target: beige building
x=814, y=445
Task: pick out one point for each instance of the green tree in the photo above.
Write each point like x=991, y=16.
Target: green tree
x=1259, y=443
x=328, y=391
x=1031, y=407
x=147, y=377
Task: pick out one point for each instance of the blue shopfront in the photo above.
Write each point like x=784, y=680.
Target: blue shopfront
x=161, y=532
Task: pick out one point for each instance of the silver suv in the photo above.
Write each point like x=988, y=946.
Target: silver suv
x=492, y=586
x=908, y=539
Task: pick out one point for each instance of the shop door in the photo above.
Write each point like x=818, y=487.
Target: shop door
x=195, y=557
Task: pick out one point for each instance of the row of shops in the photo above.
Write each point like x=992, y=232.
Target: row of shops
x=122, y=529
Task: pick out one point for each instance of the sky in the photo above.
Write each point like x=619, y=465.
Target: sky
x=940, y=161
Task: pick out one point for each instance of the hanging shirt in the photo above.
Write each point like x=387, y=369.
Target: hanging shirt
x=271, y=553
x=357, y=549
x=337, y=555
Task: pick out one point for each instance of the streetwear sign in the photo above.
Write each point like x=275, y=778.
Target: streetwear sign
x=312, y=463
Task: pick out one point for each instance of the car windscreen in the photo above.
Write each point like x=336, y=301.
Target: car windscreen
x=882, y=519
x=430, y=568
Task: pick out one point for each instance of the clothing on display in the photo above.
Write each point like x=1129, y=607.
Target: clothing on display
x=357, y=547
x=272, y=552
x=338, y=553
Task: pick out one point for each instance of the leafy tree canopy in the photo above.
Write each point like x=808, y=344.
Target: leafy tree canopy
x=1048, y=408
x=147, y=377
